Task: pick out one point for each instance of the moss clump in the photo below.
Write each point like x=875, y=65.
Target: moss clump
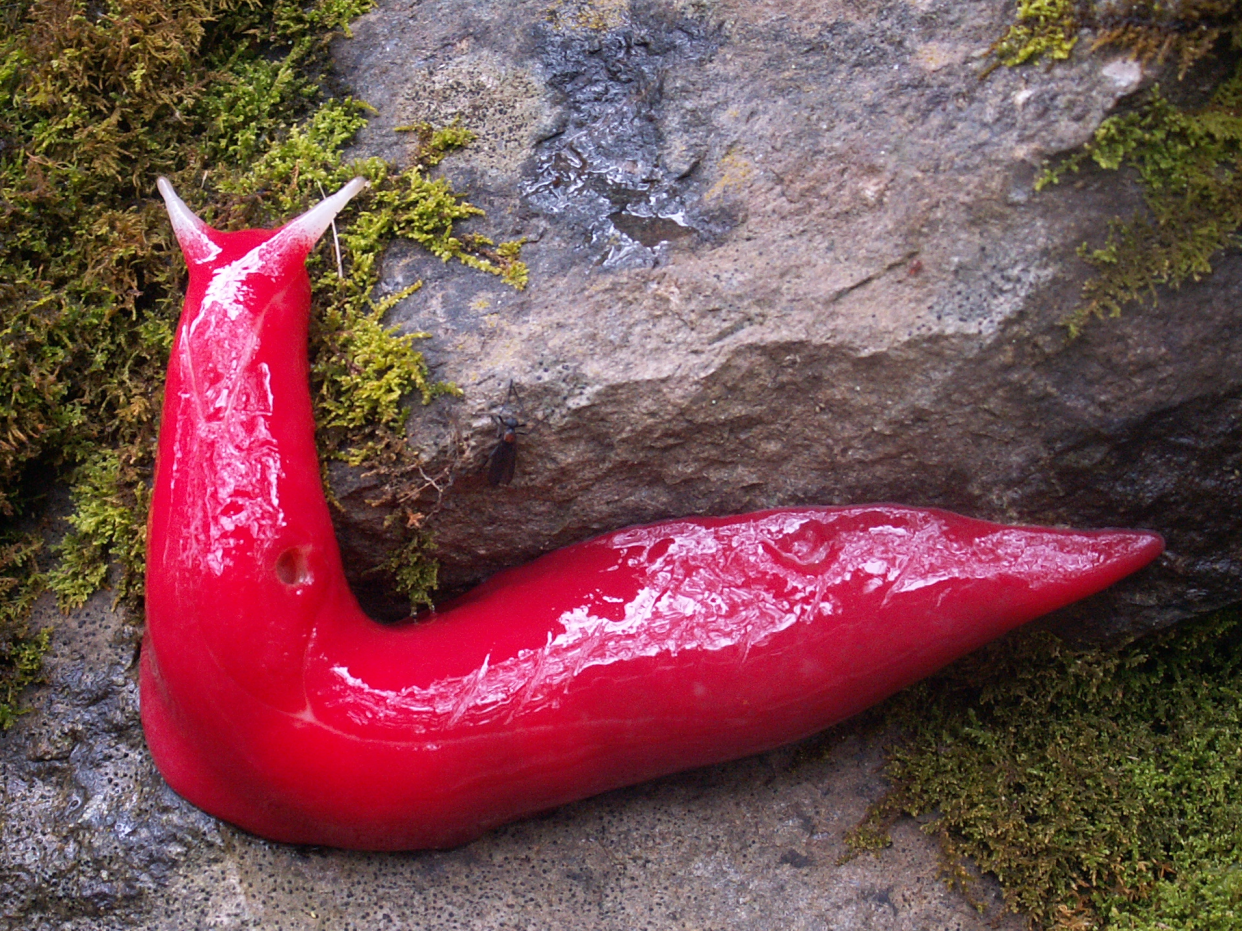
x=1188, y=162
x=223, y=96
x=21, y=652
x=412, y=572
x=1104, y=790
x=107, y=528
x=1151, y=30
x=1041, y=27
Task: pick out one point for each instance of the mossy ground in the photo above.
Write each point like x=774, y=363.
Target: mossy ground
x=225, y=98
x=1103, y=789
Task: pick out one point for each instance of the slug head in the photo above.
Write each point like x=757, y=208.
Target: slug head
x=209, y=249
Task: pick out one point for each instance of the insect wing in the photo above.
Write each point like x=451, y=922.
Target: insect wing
x=502, y=462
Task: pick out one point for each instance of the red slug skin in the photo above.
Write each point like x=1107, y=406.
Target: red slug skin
x=270, y=700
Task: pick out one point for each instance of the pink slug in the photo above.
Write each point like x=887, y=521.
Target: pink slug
x=270, y=700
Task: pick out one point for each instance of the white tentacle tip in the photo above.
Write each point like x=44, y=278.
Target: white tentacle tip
x=192, y=234
x=312, y=224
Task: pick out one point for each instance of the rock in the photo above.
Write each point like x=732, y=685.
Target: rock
x=790, y=252
x=88, y=827
x=93, y=840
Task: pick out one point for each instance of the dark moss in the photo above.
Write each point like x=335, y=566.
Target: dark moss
x=21, y=651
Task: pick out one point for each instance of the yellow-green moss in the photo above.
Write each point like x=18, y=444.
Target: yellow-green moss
x=1150, y=30
x=108, y=527
x=1041, y=27
x=1189, y=165
x=223, y=96
x=413, y=572
x=1188, y=162
x=1103, y=789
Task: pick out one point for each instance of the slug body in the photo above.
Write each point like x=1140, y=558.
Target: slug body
x=270, y=700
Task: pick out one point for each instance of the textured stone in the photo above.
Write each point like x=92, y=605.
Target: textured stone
x=786, y=253
x=88, y=828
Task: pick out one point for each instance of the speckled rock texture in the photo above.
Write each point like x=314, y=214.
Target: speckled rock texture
x=788, y=252
x=91, y=839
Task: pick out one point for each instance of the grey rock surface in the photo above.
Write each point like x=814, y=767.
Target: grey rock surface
x=93, y=839
x=88, y=828
x=789, y=252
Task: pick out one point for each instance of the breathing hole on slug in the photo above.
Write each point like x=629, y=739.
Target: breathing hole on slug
x=292, y=568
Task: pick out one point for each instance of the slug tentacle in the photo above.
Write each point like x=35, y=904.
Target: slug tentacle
x=193, y=235
x=315, y=222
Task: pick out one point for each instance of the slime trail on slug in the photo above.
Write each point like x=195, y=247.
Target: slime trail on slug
x=269, y=699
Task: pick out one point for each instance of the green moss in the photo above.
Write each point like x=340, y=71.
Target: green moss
x=223, y=96
x=1150, y=30
x=21, y=652
x=415, y=574
x=1104, y=790
x=435, y=144
x=1189, y=165
x=1188, y=162
x=21, y=664
x=1041, y=27
x=108, y=526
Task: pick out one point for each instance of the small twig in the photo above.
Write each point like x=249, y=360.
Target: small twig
x=336, y=240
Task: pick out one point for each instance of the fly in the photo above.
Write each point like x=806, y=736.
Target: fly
x=502, y=462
